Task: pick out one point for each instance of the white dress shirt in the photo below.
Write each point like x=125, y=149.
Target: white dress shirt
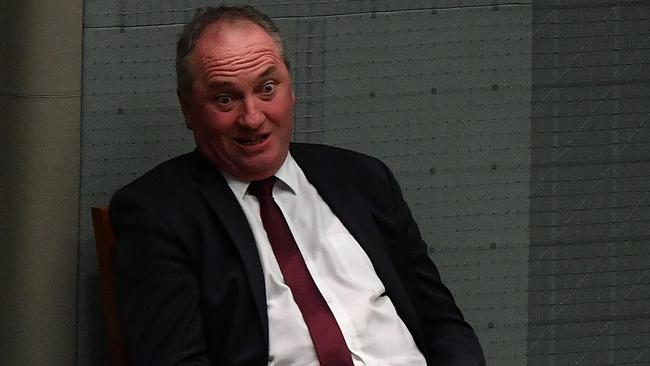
x=342, y=272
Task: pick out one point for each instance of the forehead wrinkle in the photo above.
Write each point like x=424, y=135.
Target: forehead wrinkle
x=215, y=67
x=235, y=58
x=254, y=68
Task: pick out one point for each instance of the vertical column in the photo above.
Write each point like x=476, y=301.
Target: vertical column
x=40, y=78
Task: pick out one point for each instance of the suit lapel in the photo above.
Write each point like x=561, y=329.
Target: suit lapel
x=223, y=203
x=348, y=205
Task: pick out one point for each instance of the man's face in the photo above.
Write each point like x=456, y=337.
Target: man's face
x=241, y=105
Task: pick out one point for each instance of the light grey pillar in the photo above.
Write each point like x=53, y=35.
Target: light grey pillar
x=40, y=81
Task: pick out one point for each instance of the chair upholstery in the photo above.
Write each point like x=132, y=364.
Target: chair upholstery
x=106, y=246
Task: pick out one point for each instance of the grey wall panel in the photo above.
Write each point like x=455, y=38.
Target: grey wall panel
x=440, y=90
x=443, y=97
x=126, y=13
x=589, y=291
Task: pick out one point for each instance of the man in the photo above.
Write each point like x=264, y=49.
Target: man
x=252, y=251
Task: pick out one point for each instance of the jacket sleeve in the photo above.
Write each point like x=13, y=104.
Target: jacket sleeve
x=450, y=339
x=157, y=292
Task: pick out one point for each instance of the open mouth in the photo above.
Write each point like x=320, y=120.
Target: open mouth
x=252, y=140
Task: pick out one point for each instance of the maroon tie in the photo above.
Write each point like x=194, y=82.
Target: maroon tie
x=323, y=329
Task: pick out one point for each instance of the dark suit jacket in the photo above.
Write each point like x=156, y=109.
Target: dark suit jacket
x=190, y=288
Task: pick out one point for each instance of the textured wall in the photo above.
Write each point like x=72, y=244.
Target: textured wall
x=443, y=97
x=590, y=255
x=440, y=90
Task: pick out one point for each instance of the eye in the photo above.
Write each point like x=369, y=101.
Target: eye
x=268, y=88
x=223, y=100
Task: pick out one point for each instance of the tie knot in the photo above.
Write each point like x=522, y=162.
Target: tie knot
x=264, y=187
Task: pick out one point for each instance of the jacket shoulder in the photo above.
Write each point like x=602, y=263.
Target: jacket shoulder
x=337, y=158
x=169, y=181
x=171, y=169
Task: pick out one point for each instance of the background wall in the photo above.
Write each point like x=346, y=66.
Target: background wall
x=439, y=90
x=518, y=130
x=589, y=293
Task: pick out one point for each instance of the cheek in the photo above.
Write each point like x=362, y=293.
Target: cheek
x=214, y=122
x=282, y=111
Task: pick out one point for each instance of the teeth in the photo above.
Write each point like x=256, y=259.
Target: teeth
x=252, y=141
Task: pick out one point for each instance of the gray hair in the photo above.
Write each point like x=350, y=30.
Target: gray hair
x=211, y=15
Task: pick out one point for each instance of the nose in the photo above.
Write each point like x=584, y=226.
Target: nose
x=252, y=115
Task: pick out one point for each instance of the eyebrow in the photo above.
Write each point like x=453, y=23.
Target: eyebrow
x=271, y=70
x=220, y=85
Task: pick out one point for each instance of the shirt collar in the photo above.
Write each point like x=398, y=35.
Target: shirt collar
x=287, y=175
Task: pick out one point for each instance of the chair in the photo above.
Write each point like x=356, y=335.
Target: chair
x=106, y=245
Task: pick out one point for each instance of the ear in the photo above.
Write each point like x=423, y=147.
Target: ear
x=186, y=108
